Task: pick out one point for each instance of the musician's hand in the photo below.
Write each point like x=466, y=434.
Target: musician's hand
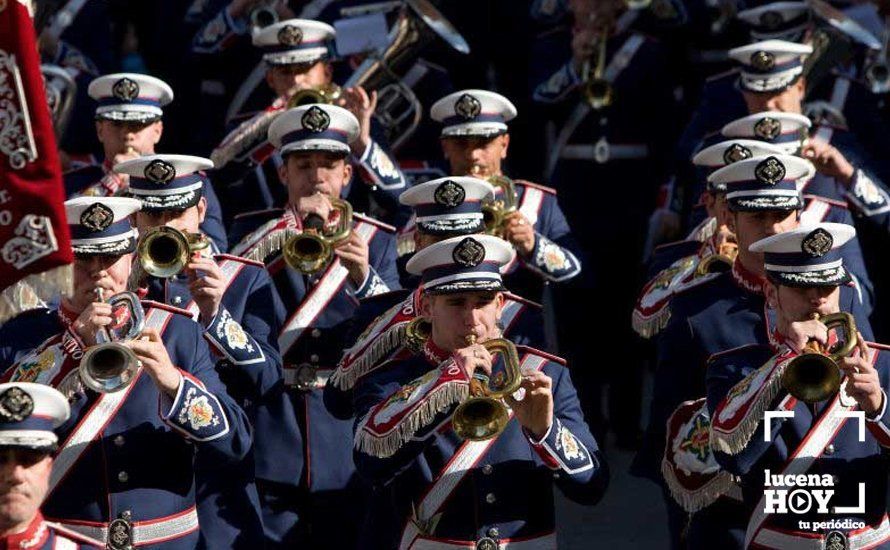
x=471, y=358
x=353, y=253
x=535, y=411
x=863, y=383
x=206, y=285
x=129, y=153
x=318, y=203
x=801, y=332
x=520, y=233
x=362, y=105
x=96, y=316
x=828, y=160
x=150, y=350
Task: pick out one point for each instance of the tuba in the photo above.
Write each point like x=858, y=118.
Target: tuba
x=719, y=261
x=165, y=251
x=398, y=109
x=814, y=375
x=495, y=212
x=483, y=414
x=311, y=250
x=595, y=88
x=110, y=366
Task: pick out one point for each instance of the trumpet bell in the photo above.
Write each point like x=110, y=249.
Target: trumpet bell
x=308, y=96
x=164, y=251
x=307, y=252
x=878, y=77
x=480, y=418
x=598, y=93
x=812, y=377
x=108, y=368
x=495, y=212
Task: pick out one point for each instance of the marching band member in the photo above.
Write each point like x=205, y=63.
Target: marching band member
x=28, y=415
x=241, y=313
x=128, y=124
x=297, y=55
x=449, y=493
x=314, y=142
x=804, y=274
x=124, y=474
x=443, y=208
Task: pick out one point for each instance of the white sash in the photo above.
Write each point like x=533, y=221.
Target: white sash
x=230, y=269
x=511, y=310
x=815, y=212
x=532, y=200
x=812, y=446
x=320, y=296
x=457, y=468
x=99, y=415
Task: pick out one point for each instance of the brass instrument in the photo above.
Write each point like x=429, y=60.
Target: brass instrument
x=417, y=332
x=264, y=14
x=495, y=212
x=165, y=251
x=484, y=415
x=61, y=91
x=329, y=94
x=637, y=4
x=877, y=69
x=311, y=250
x=719, y=261
x=595, y=88
x=110, y=366
x=814, y=375
x=398, y=110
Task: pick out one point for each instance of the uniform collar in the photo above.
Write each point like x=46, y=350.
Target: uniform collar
x=33, y=537
x=67, y=315
x=433, y=353
x=745, y=279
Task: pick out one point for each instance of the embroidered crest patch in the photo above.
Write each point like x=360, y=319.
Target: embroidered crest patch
x=15, y=405
x=770, y=171
x=817, y=243
x=449, y=194
x=97, y=217
x=468, y=253
x=159, y=171
x=125, y=89
x=315, y=120
x=468, y=107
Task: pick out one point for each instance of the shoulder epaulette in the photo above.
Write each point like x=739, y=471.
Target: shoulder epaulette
x=372, y=221
x=544, y=188
x=161, y=305
x=719, y=76
x=539, y=353
x=521, y=300
x=240, y=259
x=244, y=215
x=697, y=283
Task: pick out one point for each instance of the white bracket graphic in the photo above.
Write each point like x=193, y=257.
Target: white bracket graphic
x=767, y=420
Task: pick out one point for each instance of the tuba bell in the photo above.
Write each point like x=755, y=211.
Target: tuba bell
x=484, y=415
x=495, y=212
x=814, y=375
x=110, y=366
x=165, y=251
x=311, y=250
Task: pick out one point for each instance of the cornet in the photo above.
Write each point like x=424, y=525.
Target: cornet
x=311, y=250
x=165, y=251
x=495, y=212
x=814, y=375
x=110, y=366
x=328, y=94
x=595, y=88
x=484, y=415
x=719, y=261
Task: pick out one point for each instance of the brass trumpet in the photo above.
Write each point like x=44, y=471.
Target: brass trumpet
x=313, y=249
x=595, y=88
x=814, y=375
x=165, y=251
x=110, y=366
x=484, y=415
x=495, y=212
x=325, y=94
x=417, y=332
x=719, y=261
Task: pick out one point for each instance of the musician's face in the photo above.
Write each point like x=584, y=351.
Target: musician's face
x=475, y=156
x=110, y=273
x=184, y=220
x=286, y=80
x=597, y=15
x=305, y=174
x=24, y=479
x=789, y=100
x=116, y=136
x=794, y=304
x=750, y=227
x=456, y=316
